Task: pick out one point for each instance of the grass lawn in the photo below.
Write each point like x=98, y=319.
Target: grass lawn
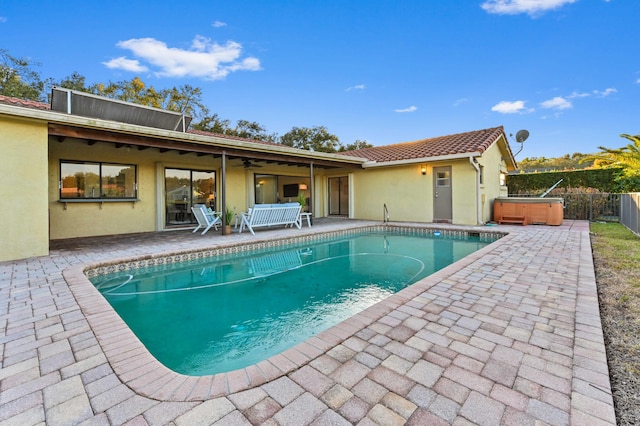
x=616, y=255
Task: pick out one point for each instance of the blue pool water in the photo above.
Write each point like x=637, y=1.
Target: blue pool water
x=223, y=313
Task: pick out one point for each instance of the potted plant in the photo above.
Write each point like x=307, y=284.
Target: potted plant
x=302, y=200
x=228, y=217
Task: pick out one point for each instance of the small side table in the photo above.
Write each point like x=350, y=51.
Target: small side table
x=308, y=216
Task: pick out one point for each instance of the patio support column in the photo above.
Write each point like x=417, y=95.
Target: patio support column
x=311, y=191
x=223, y=190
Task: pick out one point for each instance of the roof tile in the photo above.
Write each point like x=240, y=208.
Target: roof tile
x=25, y=103
x=461, y=143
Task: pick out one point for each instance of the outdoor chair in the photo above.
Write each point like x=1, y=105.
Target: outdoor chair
x=206, y=219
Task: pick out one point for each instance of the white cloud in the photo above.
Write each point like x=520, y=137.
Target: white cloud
x=558, y=102
x=605, y=92
x=638, y=81
x=575, y=95
x=460, y=101
x=410, y=109
x=218, y=24
x=508, y=107
x=356, y=87
x=204, y=58
x=123, y=63
x=515, y=7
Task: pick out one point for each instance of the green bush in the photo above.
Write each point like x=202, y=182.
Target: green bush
x=604, y=180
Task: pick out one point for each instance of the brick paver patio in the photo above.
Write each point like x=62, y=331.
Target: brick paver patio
x=510, y=335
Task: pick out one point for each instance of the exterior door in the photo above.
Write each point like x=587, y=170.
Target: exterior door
x=442, y=208
x=339, y=196
x=184, y=188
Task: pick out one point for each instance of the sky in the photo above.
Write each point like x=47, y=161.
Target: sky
x=567, y=71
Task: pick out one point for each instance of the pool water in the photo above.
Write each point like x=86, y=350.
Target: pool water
x=223, y=313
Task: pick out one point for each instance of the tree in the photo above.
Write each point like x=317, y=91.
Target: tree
x=253, y=130
x=358, y=144
x=244, y=128
x=573, y=161
x=17, y=79
x=75, y=81
x=627, y=157
x=212, y=124
x=312, y=139
x=184, y=99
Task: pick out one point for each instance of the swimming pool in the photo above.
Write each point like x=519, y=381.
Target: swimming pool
x=206, y=316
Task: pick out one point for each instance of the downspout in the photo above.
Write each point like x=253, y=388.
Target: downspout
x=475, y=165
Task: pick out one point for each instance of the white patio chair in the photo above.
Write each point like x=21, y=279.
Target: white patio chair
x=206, y=219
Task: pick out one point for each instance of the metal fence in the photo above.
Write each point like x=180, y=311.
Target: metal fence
x=584, y=206
x=630, y=211
x=592, y=207
x=605, y=207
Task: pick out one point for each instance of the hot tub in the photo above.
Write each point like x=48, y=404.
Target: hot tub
x=523, y=210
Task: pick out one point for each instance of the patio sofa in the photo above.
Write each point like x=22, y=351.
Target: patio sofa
x=267, y=215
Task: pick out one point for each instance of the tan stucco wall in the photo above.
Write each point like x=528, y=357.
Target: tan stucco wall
x=494, y=163
x=409, y=195
x=405, y=191
x=23, y=173
x=70, y=220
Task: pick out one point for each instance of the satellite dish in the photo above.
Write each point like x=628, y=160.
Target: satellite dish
x=522, y=135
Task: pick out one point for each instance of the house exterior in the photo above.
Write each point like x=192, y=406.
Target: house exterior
x=451, y=179
x=88, y=166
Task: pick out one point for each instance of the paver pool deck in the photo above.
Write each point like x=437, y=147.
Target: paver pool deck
x=510, y=335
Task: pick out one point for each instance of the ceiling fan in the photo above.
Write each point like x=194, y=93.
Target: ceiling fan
x=246, y=163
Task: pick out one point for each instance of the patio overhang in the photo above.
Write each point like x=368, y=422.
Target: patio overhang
x=94, y=130
x=201, y=146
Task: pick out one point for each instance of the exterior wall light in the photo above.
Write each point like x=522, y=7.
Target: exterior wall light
x=423, y=169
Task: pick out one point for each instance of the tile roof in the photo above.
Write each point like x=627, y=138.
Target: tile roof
x=461, y=143
x=24, y=103
x=231, y=137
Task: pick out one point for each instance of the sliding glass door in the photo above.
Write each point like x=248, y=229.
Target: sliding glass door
x=339, y=196
x=184, y=188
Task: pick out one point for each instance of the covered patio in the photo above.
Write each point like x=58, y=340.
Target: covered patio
x=508, y=335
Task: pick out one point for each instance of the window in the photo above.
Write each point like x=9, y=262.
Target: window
x=442, y=179
x=83, y=180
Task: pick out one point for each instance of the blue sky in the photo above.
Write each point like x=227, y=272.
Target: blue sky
x=381, y=71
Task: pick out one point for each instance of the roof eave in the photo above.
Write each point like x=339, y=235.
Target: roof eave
x=113, y=126
x=448, y=157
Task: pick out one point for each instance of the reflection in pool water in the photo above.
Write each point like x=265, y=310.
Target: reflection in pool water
x=224, y=313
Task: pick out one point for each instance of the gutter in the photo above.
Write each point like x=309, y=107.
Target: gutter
x=373, y=164
x=475, y=165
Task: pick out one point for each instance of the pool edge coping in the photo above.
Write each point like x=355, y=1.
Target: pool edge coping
x=139, y=370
